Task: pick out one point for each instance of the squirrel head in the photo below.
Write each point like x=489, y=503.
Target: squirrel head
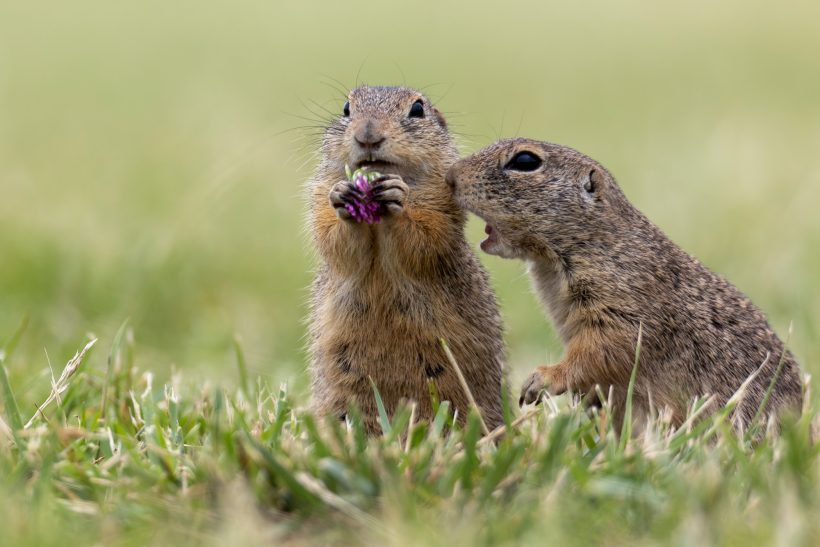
x=537, y=198
x=391, y=130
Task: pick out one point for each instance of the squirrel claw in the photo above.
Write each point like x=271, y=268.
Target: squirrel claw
x=341, y=195
x=543, y=379
x=391, y=191
x=532, y=389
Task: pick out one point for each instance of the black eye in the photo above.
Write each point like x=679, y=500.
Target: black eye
x=417, y=110
x=346, y=110
x=524, y=161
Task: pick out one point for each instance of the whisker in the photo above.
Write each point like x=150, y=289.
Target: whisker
x=341, y=88
x=359, y=71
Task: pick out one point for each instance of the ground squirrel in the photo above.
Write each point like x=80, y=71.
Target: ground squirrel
x=386, y=293
x=601, y=269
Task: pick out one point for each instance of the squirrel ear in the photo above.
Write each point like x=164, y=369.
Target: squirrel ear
x=594, y=181
x=440, y=118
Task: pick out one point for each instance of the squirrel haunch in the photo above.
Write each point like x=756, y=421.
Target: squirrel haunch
x=386, y=293
x=602, y=269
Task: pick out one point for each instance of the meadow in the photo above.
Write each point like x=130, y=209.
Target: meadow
x=152, y=164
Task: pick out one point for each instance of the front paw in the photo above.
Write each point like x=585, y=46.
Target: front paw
x=343, y=196
x=391, y=192
x=541, y=380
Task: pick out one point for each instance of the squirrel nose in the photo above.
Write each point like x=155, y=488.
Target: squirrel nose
x=369, y=137
x=369, y=141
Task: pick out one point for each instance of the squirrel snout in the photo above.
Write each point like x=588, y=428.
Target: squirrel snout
x=370, y=143
x=368, y=137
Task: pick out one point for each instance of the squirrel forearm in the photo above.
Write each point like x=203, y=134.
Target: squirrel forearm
x=590, y=358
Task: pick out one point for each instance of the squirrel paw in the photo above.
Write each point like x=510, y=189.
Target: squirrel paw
x=342, y=194
x=391, y=191
x=542, y=379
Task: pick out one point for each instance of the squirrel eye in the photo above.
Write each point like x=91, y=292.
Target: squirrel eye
x=524, y=161
x=346, y=109
x=417, y=110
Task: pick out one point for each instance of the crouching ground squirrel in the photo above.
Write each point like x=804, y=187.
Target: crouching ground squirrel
x=601, y=269
x=385, y=293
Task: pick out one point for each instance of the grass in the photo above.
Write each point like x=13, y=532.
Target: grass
x=180, y=464
x=152, y=169
x=152, y=160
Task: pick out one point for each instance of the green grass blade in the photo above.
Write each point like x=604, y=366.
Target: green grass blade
x=11, y=344
x=280, y=472
x=113, y=356
x=384, y=420
x=242, y=365
x=441, y=419
x=435, y=400
x=12, y=411
x=626, y=428
x=766, y=396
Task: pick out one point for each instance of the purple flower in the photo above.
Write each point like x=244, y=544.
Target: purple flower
x=363, y=208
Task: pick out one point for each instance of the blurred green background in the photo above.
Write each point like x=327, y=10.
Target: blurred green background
x=153, y=154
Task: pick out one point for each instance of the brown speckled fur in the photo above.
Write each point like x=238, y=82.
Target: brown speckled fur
x=601, y=269
x=384, y=294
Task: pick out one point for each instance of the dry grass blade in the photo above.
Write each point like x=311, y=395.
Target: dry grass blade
x=695, y=412
x=737, y=398
x=762, y=408
x=500, y=430
x=59, y=387
x=464, y=385
x=413, y=409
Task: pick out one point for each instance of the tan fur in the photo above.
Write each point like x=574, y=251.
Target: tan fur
x=602, y=269
x=385, y=294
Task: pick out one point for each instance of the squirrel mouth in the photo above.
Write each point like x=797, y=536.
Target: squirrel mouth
x=492, y=238
x=376, y=165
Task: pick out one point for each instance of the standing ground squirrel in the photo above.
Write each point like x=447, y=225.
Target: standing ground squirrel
x=386, y=293
x=601, y=269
